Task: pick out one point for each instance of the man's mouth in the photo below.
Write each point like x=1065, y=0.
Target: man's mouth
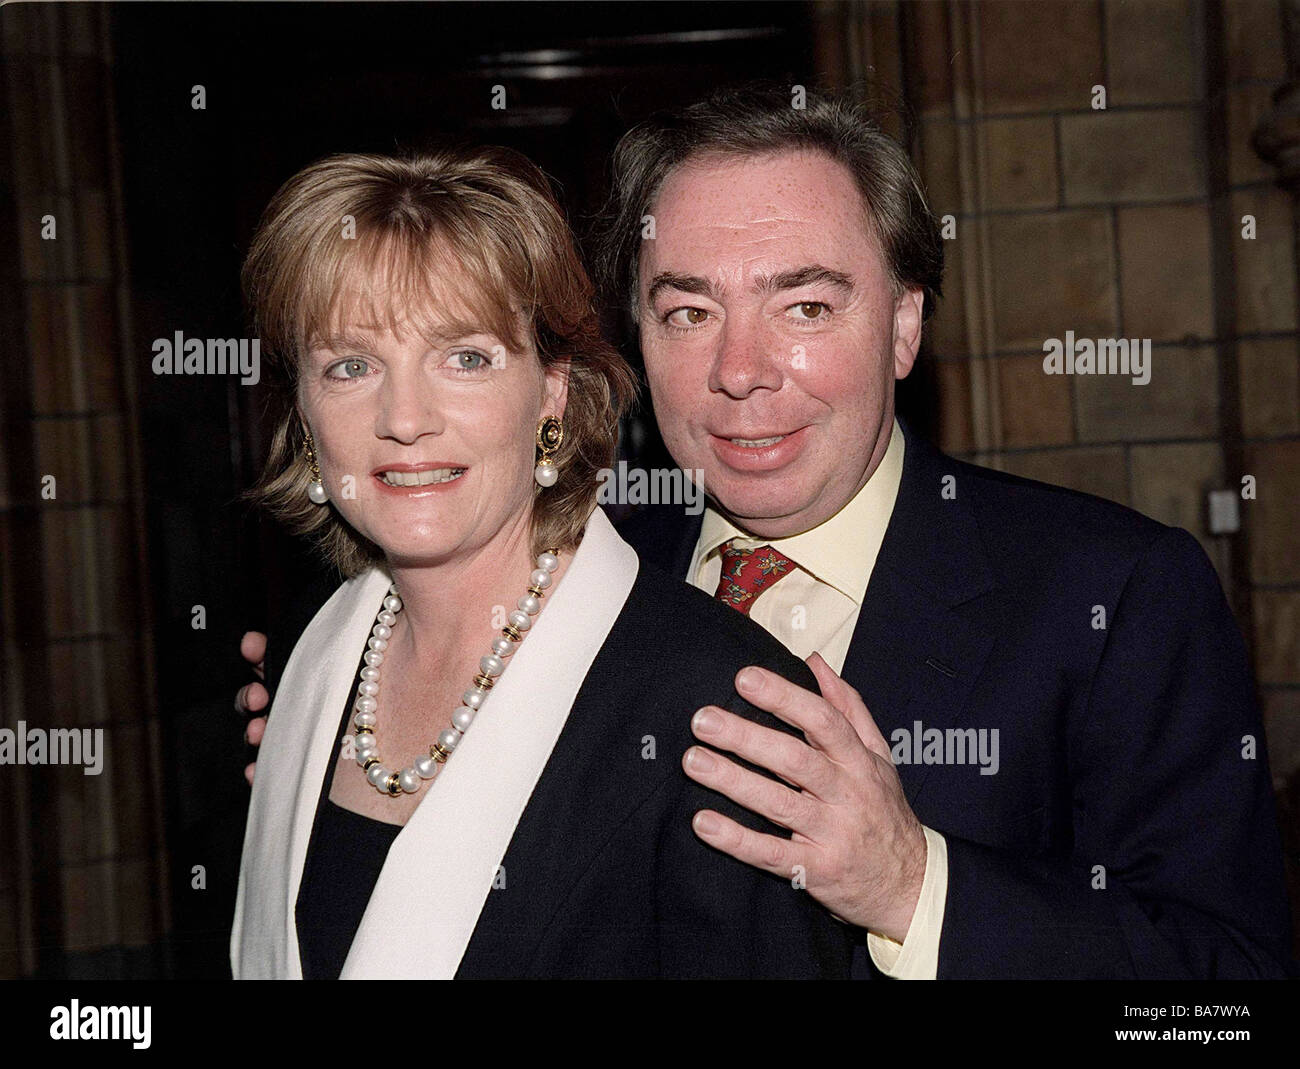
x=427, y=477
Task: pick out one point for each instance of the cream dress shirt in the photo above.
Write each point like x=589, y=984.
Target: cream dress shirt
x=815, y=607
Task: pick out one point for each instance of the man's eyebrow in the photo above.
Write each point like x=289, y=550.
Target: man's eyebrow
x=809, y=275
x=669, y=280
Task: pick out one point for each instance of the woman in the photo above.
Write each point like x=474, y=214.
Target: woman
x=472, y=765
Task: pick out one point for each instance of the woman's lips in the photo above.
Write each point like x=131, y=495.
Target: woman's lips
x=411, y=479
x=760, y=453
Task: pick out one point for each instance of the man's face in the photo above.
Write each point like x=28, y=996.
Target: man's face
x=771, y=335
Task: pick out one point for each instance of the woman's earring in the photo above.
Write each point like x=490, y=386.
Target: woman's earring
x=315, y=488
x=550, y=433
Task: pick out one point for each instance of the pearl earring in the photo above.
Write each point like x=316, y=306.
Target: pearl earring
x=550, y=433
x=315, y=488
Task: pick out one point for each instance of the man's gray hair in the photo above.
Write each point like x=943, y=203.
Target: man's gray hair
x=754, y=121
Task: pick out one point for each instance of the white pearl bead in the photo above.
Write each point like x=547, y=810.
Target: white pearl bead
x=409, y=781
x=316, y=491
x=377, y=644
x=381, y=631
x=426, y=767
x=392, y=588
x=368, y=688
x=540, y=578
x=519, y=620
x=377, y=775
x=370, y=673
x=448, y=738
x=393, y=603
x=473, y=698
x=492, y=665
x=548, y=560
x=374, y=658
x=502, y=646
x=462, y=718
x=530, y=603
x=365, y=704
x=363, y=756
x=386, y=618
x=546, y=474
x=365, y=720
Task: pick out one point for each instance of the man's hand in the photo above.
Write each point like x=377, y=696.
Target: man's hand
x=252, y=698
x=861, y=849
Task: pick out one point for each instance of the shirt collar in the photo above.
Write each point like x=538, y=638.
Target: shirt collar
x=834, y=550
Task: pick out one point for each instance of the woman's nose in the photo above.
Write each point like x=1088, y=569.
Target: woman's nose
x=408, y=407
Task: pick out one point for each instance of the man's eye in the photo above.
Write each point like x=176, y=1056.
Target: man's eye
x=810, y=310
x=347, y=369
x=686, y=317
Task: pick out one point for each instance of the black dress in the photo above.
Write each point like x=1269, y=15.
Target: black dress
x=345, y=855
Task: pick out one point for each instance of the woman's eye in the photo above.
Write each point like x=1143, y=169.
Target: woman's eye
x=467, y=361
x=686, y=317
x=810, y=310
x=348, y=369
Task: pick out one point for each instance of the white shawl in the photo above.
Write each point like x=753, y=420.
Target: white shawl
x=441, y=866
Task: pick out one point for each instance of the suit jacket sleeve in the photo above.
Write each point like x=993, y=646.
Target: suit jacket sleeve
x=722, y=918
x=1175, y=866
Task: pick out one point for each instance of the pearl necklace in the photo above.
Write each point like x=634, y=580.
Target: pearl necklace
x=410, y=780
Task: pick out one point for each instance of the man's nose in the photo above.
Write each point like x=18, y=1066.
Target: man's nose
x=742, y=363
x=408, y=405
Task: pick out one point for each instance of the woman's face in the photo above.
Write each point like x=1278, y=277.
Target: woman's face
x=427, y=448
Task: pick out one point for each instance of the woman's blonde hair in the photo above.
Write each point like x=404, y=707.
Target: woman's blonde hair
x=349, y=219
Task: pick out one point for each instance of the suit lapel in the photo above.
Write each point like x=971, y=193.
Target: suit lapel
x=441, y=870
x=562, y=831
x=295, y=754
x=915, y=652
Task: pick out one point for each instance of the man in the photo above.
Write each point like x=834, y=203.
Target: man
x=1075, y=782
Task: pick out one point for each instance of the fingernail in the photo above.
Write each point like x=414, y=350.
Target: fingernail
x=706, y=722
x=700, y=760
x=706, y=824
x=749, y=680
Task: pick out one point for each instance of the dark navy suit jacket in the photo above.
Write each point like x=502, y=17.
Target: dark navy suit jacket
x=1130, y=829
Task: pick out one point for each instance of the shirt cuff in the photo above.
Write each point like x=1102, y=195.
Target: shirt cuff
x=917, y=956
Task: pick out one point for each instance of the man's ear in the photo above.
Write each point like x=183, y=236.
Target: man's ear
x=907, y=330
x=557, y=387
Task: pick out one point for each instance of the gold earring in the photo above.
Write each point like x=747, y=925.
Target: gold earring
x=315, y=488
x=550, y=433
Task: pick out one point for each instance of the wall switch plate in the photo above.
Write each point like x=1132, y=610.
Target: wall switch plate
x=1224, y=509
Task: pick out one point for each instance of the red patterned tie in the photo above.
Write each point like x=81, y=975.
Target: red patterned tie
x=746, y=573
